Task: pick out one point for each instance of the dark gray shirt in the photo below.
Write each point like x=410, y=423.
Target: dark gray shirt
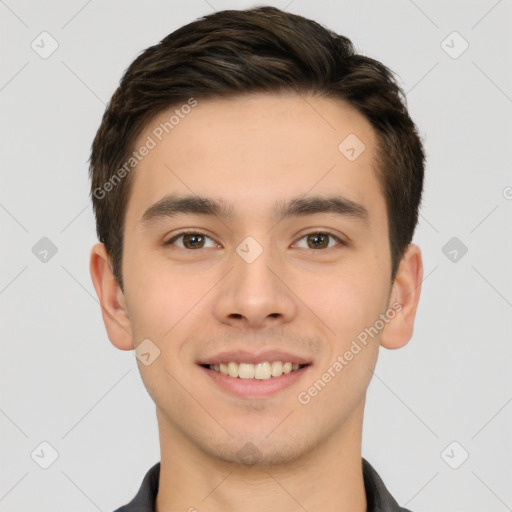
x=377, y=496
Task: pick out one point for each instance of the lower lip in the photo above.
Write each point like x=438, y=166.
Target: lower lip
x=255, y=388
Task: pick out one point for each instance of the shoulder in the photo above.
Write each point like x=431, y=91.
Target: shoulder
x=144, y=500
x=378, y=497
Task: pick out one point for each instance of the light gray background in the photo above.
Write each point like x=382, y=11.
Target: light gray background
x=64, y=383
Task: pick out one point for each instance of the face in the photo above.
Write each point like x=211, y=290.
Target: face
x=287, y=261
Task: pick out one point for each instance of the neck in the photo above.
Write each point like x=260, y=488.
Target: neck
x=329, y=477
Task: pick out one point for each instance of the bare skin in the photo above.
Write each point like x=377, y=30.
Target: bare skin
x=306, y=294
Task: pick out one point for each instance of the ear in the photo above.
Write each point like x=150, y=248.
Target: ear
x=111, y=297
x=405, y=294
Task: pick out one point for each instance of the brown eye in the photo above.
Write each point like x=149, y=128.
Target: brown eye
x=320, y=240
x=190, y=240
x=193, y=241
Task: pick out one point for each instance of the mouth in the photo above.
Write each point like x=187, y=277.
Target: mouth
x=265, y=370
x=254, y=377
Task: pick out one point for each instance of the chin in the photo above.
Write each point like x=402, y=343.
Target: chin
x=260, y=451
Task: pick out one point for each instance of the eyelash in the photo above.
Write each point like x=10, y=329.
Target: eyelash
x=179, y=235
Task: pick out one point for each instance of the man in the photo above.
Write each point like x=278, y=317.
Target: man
x=256, y=185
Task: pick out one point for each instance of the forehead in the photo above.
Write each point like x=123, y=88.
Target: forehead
x=255, y=150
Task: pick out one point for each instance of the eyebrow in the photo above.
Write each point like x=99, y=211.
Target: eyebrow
x=174, y=205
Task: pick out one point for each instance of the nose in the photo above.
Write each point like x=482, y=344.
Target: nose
x=255, y=293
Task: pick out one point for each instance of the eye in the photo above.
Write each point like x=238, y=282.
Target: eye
x=320, y=240
x=195, y=240
x=191, y=240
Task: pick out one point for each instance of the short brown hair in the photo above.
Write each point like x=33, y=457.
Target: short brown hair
x=262, y=49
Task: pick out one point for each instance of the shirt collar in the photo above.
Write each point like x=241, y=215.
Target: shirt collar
x=377, y=496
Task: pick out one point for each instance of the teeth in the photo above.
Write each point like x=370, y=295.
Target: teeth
x=233, y=369
x=245, y=371
x=260, y=371
x=276, y=368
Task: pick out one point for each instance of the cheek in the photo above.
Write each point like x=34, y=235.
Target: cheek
x=346, y=299
x=349, y=302
x=163, y=296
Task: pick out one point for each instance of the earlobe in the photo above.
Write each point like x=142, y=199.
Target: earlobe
x=404, y=299
x=111, y=298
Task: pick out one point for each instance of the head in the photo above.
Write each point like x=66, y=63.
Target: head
x=256, y=110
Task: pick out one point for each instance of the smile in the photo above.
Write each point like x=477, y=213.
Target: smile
x=261, y=371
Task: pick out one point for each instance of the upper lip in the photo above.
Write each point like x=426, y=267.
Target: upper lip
x=246, y=356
